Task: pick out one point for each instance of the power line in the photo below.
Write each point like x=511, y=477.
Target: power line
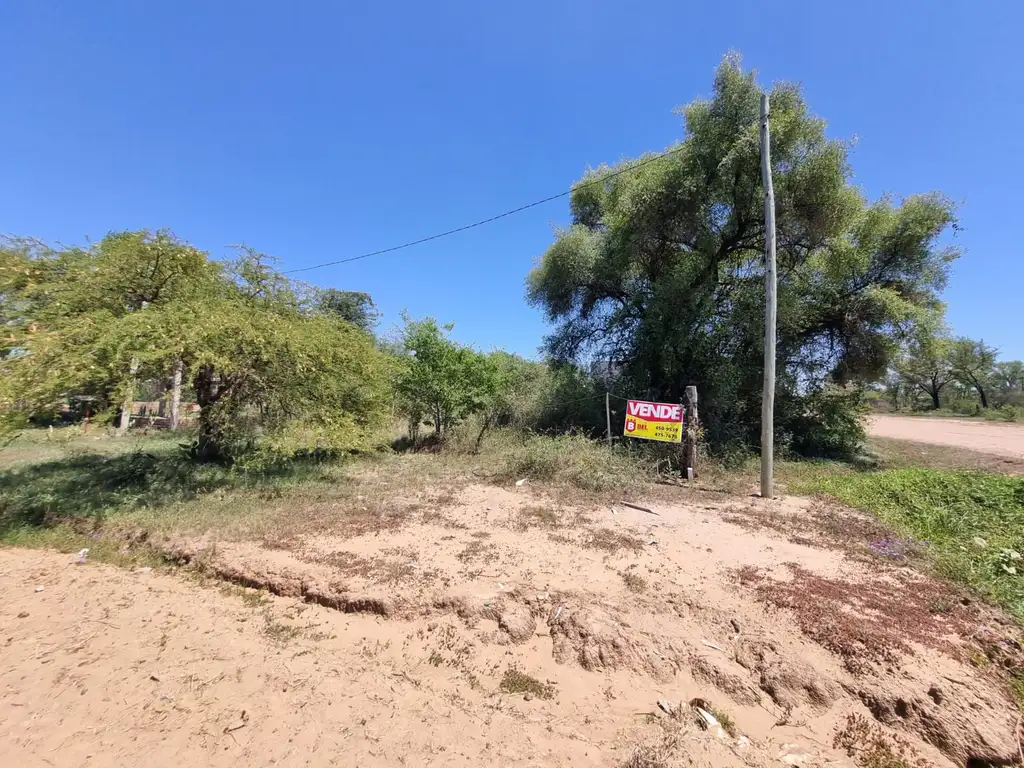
x=480, y=223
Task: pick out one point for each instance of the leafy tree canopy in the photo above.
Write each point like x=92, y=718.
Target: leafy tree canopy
x=972, y=363
x=273, y=380
x=662, y=267
x=354, y=307
x=441, y=380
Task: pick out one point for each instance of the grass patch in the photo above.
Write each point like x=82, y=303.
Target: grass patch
x=517, y=681
x=612, y=541
x=278, y=632
x=534, y=516
x=634, y=582
x=725, y=720
x=253, y=598
x=573, y=461
x=870, y=747
x=972, y=522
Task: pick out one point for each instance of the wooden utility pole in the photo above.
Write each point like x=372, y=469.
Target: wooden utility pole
x=691, y=426
x=768, y=397
x=608, y=415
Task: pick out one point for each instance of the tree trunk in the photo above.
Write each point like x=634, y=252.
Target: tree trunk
x=981, y=394
x=935, y=399
x=209, y=445
x=176, y=394
x=438, y=429
x=126, y=406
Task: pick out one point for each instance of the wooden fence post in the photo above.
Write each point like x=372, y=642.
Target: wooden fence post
x=690, y=444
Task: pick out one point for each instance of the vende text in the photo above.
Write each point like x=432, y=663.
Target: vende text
x=655, y=411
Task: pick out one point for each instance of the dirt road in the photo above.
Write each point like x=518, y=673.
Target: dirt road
x=501, y=628
x=982, y=436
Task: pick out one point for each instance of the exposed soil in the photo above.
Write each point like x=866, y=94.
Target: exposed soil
x=994, y=438
x=495, y=627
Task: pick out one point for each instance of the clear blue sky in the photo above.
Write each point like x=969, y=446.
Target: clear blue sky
x=319, y=130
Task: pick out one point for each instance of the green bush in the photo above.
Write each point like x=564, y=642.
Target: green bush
x=830, y=424
x=576, y=461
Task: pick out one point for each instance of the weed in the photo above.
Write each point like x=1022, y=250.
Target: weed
x=634, y=582
x=251, y=597
x=612, y=541
x=517, y=681
x=973, y=522
x=278, y=632
x=435, y=659
x=870, y=747
x=536, y=516
x=574, y=461
x=725, y=720
x=940, y=605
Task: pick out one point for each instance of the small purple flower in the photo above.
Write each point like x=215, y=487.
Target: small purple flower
x=891, y=547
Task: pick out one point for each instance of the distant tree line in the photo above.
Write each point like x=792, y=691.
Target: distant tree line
x=939, y=371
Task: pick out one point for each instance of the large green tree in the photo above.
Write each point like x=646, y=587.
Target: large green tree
x=925, y=368
x=662, y=270
x=272, y=379
x=441, y=380
x=972, y=363
x=354, y=307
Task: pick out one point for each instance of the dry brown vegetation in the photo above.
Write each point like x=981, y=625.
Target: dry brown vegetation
x=541, y=611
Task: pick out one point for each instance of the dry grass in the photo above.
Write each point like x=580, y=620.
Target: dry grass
x=391, y=566
x=871, y=747
x=517, y=681
x=824, y=523
x=666, y=746
x=634, y=582
x=897, y=454
x=867, y=622
x=535, y=516
x=478, y=550
x=612, y=541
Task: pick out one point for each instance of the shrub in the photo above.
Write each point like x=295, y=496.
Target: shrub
x=573, y=460
x=831, y=424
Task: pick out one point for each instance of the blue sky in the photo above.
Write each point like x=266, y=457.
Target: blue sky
x=320, y=130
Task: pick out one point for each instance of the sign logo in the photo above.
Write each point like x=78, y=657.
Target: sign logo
x=654, y=421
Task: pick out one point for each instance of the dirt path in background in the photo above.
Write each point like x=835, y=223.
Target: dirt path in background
x=982, y=436
x=503, y=628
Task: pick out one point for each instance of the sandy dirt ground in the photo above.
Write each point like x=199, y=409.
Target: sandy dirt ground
x=982, y=436
x=505, y=628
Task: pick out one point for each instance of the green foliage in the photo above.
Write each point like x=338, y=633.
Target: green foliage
x=274, y=381
x=972, y=363
x=831, y=424
x=53, y=492
x=573, y=461
x=522, y=391
x=973, y=522
x=925, y=367
x=439, y=379
x=661, y=270
x=354, y=307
